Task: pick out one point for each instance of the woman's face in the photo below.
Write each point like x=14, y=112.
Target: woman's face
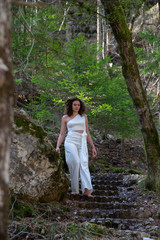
x=76, y=106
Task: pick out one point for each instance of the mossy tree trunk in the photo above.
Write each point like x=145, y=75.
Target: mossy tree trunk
x=6, y=99
x=116, y=18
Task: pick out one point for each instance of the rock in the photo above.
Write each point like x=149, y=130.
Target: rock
x=144, y=213
x=146, y=238
x=35, y=169
x=154, y=234
x=149, y=21
x=141, y=235
x=111, y=137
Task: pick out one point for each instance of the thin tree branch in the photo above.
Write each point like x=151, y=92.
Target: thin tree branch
x=33, y=234
x=50, y=48
x=29, y=4
x=21, y=232
x=32, y=41
x=64, y=17
x=148, y=81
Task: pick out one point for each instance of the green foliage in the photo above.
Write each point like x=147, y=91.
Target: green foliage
x=18, y=81
x=92, y=167
x=117, y=170
x=148, y=59
x=61, y=69
x=20, y=209
x=101, y=108
x=76, y=231
x=101, y=87
x=116, y=110
x=33, y=32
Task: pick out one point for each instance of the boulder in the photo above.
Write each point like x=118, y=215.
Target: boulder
x=36, y=172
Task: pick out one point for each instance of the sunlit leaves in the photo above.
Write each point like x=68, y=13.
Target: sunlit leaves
x=18, y=81
x=104, y=108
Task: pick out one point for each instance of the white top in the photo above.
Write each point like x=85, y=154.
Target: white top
x=76, y=123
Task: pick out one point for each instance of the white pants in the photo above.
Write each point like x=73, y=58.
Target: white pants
x=76, y=154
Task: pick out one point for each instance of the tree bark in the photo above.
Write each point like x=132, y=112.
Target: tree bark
x=158, y=27
x=99, y=30
x=116, y=18
x=6, y=102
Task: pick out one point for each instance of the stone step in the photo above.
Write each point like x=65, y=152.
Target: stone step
x=96, y=198
x=108, y=176
x=105, y=205
x=112, y=213
x=107, y=182
x=108, y=192
x=112, y=207
x=105, y=187
x=121, y=224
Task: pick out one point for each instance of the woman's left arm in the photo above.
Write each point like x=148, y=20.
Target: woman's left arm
x=89, y=139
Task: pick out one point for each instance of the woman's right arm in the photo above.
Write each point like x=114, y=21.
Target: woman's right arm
x=62, y=134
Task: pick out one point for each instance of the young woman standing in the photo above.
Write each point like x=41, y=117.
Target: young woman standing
x=76, y=151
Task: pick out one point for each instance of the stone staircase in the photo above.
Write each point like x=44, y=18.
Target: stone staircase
x=115, y=206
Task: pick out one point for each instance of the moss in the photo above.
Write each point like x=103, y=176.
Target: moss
x=154, y=234
x=56, y=176
x=52, y=209
x=129, y=160
x=95, y=229
x=92, y=167
x=137, y=101
x=105, y=170
x=20, y=209
x=50, y=153
x=134, y=171
x=117, y=170
x=26, y=126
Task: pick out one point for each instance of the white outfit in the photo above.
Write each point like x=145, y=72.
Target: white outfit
x=76, y=153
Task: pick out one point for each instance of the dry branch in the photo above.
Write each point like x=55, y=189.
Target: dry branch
x=30, y=4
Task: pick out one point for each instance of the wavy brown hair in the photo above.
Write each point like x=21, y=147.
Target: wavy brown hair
x=69, y=110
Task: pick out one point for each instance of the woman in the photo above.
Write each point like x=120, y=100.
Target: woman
x=76, y=151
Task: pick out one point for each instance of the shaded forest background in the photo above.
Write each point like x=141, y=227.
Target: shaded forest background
x=55, y=56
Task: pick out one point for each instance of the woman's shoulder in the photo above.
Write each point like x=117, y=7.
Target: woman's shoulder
x=64, y=118
x=84, y=115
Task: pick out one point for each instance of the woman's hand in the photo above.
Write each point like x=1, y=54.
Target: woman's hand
x=94, y=152
x=58, y=149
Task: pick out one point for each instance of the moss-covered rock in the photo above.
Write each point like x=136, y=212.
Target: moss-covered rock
x=24, y=125
x=36, y=172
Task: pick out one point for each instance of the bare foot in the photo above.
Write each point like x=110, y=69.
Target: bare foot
x=88, y=195
x=74, y=194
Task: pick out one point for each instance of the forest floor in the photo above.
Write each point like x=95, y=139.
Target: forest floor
x=56, y=220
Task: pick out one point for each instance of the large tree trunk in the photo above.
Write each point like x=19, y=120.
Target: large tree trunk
x=116, y=18
x=6, y=99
